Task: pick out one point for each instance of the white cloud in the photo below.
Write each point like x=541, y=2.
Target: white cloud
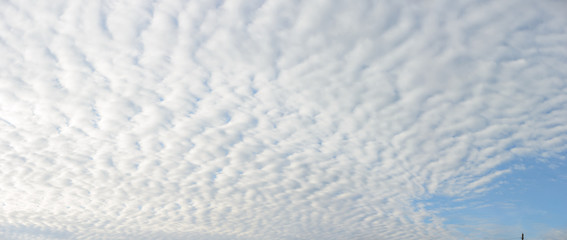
x=555, y=234
x=275, y=119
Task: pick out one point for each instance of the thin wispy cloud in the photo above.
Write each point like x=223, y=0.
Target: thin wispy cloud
x=271, y=119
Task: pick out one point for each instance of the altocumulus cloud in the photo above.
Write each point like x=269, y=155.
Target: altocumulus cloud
x=269, y=119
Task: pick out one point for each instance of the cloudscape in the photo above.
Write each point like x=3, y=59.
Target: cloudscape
x=283, y=119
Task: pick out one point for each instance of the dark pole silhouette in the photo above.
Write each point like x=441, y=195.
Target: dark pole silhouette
x=522, y=236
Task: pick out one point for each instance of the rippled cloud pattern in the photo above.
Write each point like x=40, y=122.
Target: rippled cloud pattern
x=276, y=119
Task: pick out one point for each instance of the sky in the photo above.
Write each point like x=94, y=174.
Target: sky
x=283, y=119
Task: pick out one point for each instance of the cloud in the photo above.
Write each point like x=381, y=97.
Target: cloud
x=554, y=234
x=269, y=119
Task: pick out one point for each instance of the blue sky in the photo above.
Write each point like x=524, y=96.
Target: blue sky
x=278, y=119
x=531, y=201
